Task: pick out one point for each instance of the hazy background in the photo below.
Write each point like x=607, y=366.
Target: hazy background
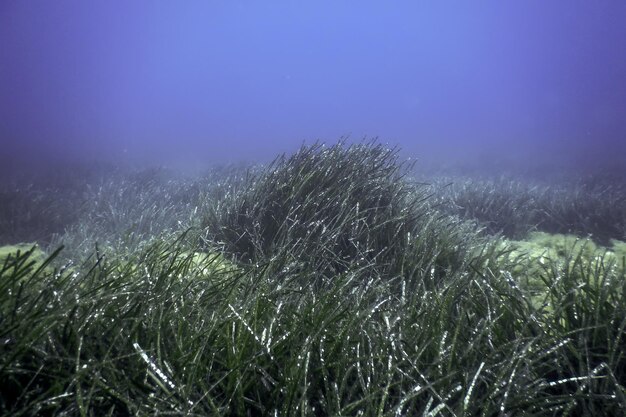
x=457, y=84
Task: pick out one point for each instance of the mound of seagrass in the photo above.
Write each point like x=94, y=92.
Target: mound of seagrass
x=329, y=207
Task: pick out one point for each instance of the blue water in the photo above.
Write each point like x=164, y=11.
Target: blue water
x=530, y=85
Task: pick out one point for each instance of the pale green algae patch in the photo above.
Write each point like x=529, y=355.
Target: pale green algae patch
x=619, y=249
x=9, y=252
x=541, y=248
x=213, y=263
x=184, y=264
x=544, y=257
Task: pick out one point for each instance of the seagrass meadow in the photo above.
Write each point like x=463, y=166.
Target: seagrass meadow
x=332, y=282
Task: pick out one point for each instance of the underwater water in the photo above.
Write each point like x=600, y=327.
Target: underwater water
x=315, y=208
x=528, y=86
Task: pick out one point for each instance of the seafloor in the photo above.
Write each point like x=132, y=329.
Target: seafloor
x=335, y=281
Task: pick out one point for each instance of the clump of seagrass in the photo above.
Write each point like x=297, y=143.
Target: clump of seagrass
x=595, y=209
x=329, y=207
